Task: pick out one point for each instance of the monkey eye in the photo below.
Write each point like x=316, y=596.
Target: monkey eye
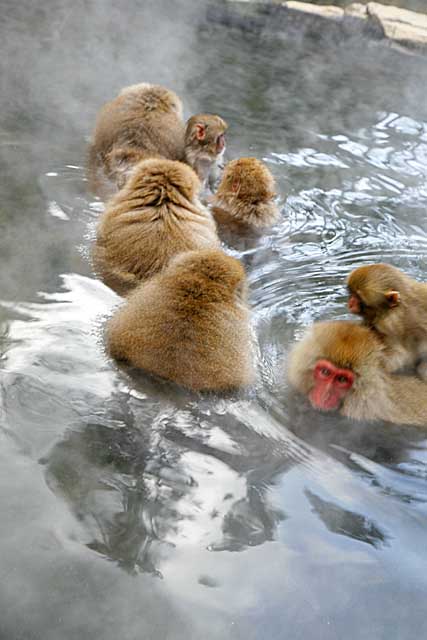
x=325, y=373
x=344, y=380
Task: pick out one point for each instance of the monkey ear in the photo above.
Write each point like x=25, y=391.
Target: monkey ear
x=235, y=185
x=200, y=131
x=392, y=298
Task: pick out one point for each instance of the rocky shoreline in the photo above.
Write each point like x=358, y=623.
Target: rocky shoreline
x=404, y=29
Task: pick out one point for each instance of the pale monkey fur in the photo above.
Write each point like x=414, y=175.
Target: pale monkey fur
x=403, y=326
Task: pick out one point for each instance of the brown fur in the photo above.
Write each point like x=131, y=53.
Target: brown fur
x=376, y=394
x=189, y=324
x=143, y=118
x=145, y=121
x=245, y=197
x=403, y=326
x=155, y=216
x=203, y=155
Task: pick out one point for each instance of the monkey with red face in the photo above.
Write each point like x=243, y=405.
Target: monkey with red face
x=340, y=366
x=394, y=305
x=205, y=146
x=145, y=121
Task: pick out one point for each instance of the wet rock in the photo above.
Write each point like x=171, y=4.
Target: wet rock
x=372, y=20
x=400, y=25
x=322, y=11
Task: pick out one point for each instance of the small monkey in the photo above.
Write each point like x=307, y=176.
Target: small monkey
x=339, y=366
x=245, y=197
x=156, y=215
x=189, y=324
x=146, y=121
x=205, y=146
x=395, y=306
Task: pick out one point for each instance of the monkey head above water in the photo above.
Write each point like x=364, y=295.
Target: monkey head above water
x=245, y=196
x=339, y=366
x=155, y=216
x=189, y=324
x=145, y=121
x=205, y=145
x=395, y=306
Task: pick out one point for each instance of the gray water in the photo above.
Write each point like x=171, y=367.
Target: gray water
x=134, y=510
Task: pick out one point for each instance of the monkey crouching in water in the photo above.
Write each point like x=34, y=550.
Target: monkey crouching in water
x=146, y=121
x=155, y=216
x=143, y=121
x=339, y=366
x=205, y=146
x=189, y=324
x=245, y=200
x=394, y=305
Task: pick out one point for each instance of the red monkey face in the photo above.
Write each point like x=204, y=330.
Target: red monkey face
x=331, y=385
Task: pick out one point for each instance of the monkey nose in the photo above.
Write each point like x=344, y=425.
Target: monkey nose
x=353, y=304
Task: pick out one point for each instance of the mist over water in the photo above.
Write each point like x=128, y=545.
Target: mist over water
x=131, y=509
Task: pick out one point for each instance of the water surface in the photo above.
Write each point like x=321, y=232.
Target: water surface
x=133, y=510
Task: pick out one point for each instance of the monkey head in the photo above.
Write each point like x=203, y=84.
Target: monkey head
x=208, y=274
x=377, y=294
x=156, y=182
x=335, y=361
x=204, y=142
x=247, y=179
x=246, y=193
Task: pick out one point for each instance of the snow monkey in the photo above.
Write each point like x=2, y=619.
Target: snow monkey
x=245, y=197
x=189, y=324
x=395, y=306
x=205, y=146
x=339, y=366
x=155, y=216
x=146, y=121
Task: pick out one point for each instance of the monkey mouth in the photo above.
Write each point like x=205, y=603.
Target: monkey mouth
x=324, y=401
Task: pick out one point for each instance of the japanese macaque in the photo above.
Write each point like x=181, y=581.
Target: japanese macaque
x=245, y=197
x=395, y=306
x=205, y=146
x=189, y=324
x=339, y=366
x=143, y=121
x=155, y=216
x=146, y=121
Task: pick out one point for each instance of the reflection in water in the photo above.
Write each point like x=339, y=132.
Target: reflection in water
x=100, y=465
x=346, y=523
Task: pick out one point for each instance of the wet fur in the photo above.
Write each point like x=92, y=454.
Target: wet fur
x=376, y=394
x=143, y=118
x=202, y=155
x=156, y=216
x=245, y=197
x=189, y=324
x=404, y=327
